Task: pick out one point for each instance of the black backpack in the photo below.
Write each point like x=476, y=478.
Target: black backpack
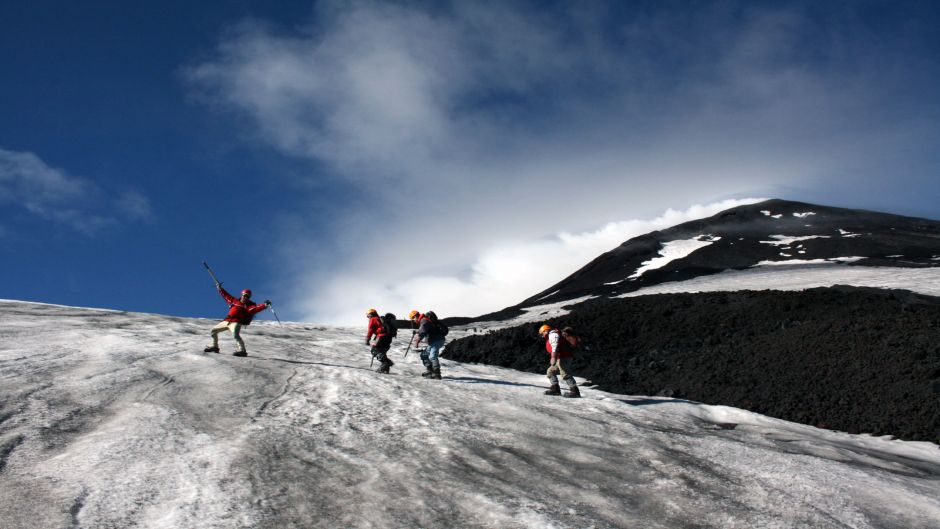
x=438, y=324
x=391, y=327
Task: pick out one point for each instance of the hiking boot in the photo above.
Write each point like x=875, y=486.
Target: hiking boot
x=573, y=393
x=383, y=369
x=436, y=374
x=553, y=390
x=211, y=349
x=428, y=370
x=240, y=353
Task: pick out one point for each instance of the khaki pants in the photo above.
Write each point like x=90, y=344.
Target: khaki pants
x=228, y=326
x=561, y=367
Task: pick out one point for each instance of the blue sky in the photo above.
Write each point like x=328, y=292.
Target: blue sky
x=452, y=156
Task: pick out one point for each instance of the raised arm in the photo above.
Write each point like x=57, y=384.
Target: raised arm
x=226, y=296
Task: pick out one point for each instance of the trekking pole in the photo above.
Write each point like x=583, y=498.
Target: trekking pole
x=372, y=350
x=410, y=342
x=275, y=315
x=217, y=282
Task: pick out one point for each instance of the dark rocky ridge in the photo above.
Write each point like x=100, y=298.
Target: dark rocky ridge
x=849, y=359
x=883, y=239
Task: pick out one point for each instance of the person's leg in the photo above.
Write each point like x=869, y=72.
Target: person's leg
x=236, y=329
x=381, y=353
x=214, y=333
x=552, y=375
x=564, y=367
x=434, y=351
x=425, y=359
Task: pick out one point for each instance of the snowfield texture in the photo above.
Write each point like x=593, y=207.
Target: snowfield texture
x=114, y=419
x=795, y=275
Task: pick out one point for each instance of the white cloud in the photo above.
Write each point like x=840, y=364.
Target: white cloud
x=473, y=126
x=501, y=276
x=54, y=195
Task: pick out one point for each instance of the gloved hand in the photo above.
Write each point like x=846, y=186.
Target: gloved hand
x=267, y=302
x=367, y=342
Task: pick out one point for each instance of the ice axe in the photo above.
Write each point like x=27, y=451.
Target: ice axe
x=211, y=273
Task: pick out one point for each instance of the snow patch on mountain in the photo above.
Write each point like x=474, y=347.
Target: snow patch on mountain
x=809, y=261
x=548, y=295
x=787, y=240
x=673, y=250
x=792, y=276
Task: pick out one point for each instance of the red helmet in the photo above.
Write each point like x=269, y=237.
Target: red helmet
x=246, y=292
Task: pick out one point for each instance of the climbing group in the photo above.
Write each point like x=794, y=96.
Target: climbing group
x=426, y=326
x=560, y=346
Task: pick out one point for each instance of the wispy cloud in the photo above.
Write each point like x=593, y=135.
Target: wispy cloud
x=495, y=123
x=50, y=193
x=134, y=206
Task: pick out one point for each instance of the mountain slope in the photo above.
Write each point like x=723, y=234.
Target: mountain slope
x=112, y=419
x=773, y=232
x=851, y=359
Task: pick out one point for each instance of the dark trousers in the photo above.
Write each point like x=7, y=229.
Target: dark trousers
x=381, y=347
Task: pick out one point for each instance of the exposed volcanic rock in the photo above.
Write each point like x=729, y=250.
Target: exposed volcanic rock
x=738, y=238
x=850, y=359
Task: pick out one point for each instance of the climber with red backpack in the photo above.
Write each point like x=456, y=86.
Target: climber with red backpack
x=384, y=329
x=560, y=346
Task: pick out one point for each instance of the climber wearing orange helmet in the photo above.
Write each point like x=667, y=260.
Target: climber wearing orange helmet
x=241, y=311
x=560, y=350
x=428, y=326
x=383, y=339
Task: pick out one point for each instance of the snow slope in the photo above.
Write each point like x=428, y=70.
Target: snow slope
x=114, y=419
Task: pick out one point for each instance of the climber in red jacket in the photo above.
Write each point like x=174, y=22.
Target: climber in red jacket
x=240, y=312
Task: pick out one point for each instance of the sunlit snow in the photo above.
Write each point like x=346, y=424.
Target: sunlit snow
x=673, y=250
x=809, y=261
x=114, y=419
x=787, y=240
x=800, y=275
x=548, y=295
